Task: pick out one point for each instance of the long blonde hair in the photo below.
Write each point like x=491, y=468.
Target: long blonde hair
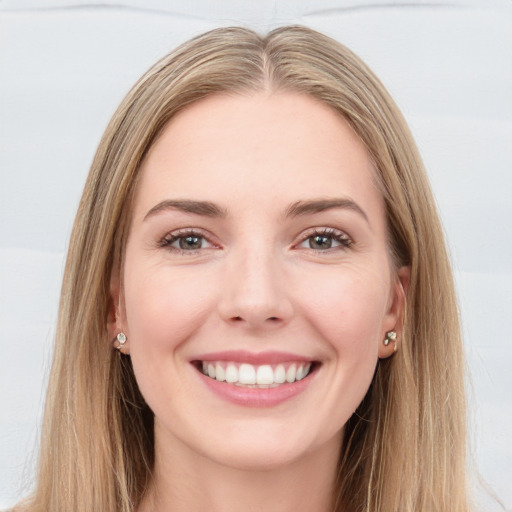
x=404, y=448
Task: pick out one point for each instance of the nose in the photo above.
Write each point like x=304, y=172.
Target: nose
x=255, y=295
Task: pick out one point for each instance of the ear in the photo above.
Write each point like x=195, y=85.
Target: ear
x=115, y=315
x=394, y=318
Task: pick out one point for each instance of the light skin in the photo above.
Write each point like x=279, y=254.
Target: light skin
x=257, y=226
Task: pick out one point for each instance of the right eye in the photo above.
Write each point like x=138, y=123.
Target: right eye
x=185, y=241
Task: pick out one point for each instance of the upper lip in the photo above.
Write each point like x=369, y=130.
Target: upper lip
x=255, y=358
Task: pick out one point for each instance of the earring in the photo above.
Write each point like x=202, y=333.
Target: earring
x=121, y=338
x=390, y=336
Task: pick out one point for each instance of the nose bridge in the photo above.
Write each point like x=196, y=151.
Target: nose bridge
x=255, y=292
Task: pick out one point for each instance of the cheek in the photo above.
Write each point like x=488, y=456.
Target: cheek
x=347, y=308
x=164, y=306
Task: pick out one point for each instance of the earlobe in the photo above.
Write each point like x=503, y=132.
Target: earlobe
x=113, y=318
x=393, y=334
x=120, y=342
x=115, y=315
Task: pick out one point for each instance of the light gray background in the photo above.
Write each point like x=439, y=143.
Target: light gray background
x=64, y=67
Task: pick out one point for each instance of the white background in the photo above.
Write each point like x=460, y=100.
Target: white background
x=64, y=67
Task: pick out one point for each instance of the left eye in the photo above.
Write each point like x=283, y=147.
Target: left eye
x=327, y=239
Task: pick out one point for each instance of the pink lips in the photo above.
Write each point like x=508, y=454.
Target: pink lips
x=254, y=396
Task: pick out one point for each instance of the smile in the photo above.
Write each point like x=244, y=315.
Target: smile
x=248, y=379
x=255, y=376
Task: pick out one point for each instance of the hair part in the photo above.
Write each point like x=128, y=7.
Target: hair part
x=404, y=447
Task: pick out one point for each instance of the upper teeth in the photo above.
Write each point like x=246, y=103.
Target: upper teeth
x=248, y=374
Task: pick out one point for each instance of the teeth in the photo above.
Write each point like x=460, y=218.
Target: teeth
x=265, y=375
x=220, y=374
x=249, y=375
x=279, y=374
x=290, y=373
x=231, y=373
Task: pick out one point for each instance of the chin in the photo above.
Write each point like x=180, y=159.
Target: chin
x=257, y=458
x=266, y=449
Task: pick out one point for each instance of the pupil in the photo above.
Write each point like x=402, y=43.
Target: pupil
x=320, y=242
x=190, y=242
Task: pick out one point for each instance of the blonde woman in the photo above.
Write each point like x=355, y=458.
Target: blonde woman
x=257, y=311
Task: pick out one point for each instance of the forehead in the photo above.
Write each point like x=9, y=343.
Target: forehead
x=266, y=149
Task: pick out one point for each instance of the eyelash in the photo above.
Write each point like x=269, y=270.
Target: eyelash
x=173, y=237
x=332, y=234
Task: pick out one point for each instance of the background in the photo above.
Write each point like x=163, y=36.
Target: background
x=65, y=66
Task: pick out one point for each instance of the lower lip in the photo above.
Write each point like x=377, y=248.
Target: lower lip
x=256, y=397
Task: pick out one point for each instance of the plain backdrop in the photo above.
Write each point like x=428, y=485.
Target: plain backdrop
x=64, y=67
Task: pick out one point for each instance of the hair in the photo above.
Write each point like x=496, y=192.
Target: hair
x=404, y=449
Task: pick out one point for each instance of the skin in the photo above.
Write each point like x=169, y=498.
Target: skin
x=257, y=282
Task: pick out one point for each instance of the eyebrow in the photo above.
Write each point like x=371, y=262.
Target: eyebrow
x=296, y=209
x=205, y=208
x=319, y=205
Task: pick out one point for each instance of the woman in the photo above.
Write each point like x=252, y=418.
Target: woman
x=257, y=307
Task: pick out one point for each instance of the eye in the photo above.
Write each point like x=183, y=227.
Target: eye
x=185, y=241
x=325, y=239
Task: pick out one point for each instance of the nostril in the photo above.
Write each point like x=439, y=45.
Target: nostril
x=272, y=319
x=256, y=321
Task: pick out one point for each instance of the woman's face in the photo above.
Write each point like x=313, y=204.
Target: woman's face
x=257, y=286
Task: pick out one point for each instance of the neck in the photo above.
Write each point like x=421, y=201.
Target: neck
x=196, y=483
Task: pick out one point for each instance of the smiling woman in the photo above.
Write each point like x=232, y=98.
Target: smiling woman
x=249, y=287
x=257, y=310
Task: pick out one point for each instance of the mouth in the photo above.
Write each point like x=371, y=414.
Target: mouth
x=262, y=376
x=249, y=379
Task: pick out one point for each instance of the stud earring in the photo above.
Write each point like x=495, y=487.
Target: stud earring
x=390, y=336
x=121, y=339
